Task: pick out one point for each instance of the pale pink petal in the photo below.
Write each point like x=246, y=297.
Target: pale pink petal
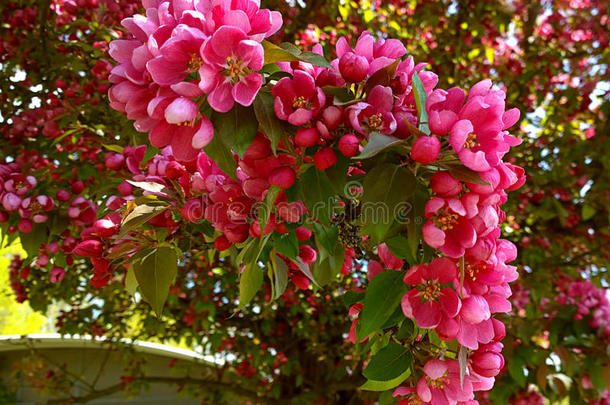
x=221, y=98
x=204, y=134
x=246, y=89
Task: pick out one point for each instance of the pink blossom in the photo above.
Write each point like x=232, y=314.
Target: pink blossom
x=228, y=74
x=448, y=229
x=441, y=383
x=297, y=100
x=377, y=54
x=429, y=301
x=374, y=115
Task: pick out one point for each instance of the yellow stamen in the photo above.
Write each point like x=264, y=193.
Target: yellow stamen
x=446, y=221
x=375, y=121
x=471, y=141
x=195, y=63
x=431, y=290
x=299, y=102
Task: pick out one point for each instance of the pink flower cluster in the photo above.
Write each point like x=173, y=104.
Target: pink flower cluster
x=180, y=52
x=589, y=300
x=457, y=295
x=228, y=204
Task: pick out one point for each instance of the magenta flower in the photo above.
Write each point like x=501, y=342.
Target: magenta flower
x=374, y=55
x=429, y=301
x=298, y=100
x=374, y=115
x=228, y=74
x=443, y=107
x=478, y=136
x=178, y=57
x=246, y=15
x=448, y=229
x=441, y=383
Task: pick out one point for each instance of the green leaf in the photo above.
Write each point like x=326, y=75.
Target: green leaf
x=382, y=77
x=389, y=363
x=420, y=101
x=114, y=148
x=305, y=269
x=236, y=128
x=377, y=144
x=220, y=153
x=31, y=241
x=465, y=174
x=587, y=212
x=327, y=237
x=315, y=59
x=131, y=283
x=287, y=244
x=382, y=297
x=250, y=282
x=264, y=211
x=337, y=174
x=274, y=53
x=270, y=125
x=281, y=276
x=155, y=273
x=150, y=152
x=139, y=216
x=327, y=269
x=352, y=296
x=373, y=385
x=387, y=188
x=288, y=52
x=317, y=194
x=342, y=95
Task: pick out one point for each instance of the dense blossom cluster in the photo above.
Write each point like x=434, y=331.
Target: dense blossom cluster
x=589, y=300
x=176, y=56
x=216, y=42
x=182, y=65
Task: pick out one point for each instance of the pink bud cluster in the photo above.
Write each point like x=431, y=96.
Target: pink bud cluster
x=178, y=53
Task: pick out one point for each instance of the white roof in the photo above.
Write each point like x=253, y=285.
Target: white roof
x=58, y=341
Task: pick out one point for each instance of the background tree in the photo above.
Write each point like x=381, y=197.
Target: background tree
x=552, y=56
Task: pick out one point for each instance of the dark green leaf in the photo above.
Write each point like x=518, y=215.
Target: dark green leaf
x=389, y=363
x=270, y=125
x=327, y=237
x=154, y=274
x=315, y=59
x=31, y=241
x=465, y=174
x=317, y=194
x=387, y=189
x=236, y=128
x=220, y=153
x=287, y=244
x=382, y=297
x=377, y=143
x=382, y=77
x=351, y=297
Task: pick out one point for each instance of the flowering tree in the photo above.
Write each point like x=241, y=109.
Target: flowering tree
x=311, y=204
